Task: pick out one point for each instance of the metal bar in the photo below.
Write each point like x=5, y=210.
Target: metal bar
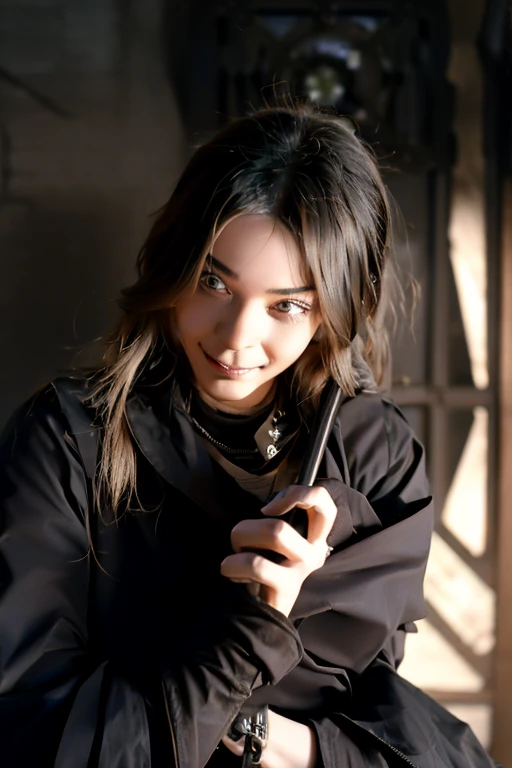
x=502, y=739
x=482, y=566
x=450, y=397
x=461, y=697
x=481, y=664
x=438, y=251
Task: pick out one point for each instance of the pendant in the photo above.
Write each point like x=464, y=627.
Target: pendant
x=275, y=434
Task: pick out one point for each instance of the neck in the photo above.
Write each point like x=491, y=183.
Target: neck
x=236, y=409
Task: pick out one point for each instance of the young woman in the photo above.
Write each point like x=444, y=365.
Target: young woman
x=153, y=587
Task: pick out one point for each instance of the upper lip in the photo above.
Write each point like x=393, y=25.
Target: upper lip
x=232, y=367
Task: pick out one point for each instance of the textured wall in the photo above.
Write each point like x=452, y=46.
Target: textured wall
x=81, y=174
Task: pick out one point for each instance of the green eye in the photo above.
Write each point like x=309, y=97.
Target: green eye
x=212, y=281
x=292, y=307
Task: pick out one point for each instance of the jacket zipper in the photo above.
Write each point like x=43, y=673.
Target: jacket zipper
x=382, y=741
x=390, y=746
x=171, y=728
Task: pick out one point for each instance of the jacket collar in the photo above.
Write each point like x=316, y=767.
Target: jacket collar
x=161, y=427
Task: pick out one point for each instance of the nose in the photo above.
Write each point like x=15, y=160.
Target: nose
x=241, y=325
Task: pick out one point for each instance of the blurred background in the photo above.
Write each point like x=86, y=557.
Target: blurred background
x=102, y=103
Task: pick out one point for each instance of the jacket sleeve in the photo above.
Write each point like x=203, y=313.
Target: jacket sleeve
x=372, y=585
x=60, y=705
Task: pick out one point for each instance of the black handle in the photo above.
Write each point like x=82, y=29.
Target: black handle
x=320, y=432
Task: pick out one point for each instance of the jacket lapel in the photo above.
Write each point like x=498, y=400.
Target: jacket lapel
x=184, y=463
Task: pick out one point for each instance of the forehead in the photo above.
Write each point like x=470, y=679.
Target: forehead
x=259, y=248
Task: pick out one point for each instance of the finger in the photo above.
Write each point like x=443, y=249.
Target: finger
x=315, y=500
x=275, y=535
x=256, y=568
x=237, y=747
x=282, y=502
x=303, y=495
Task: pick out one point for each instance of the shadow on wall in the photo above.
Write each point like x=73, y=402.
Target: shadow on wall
x=76, y=194
x=65, y=258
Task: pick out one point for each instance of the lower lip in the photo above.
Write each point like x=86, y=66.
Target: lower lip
x=232, y=372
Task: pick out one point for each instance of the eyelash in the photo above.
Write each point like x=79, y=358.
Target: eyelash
x=302, y=306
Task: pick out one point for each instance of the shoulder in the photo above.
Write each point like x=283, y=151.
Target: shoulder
x=41, y=422
x=373, y=416
x=40, y=412
x=368, y=406
x=44, y=495
x=379, y=443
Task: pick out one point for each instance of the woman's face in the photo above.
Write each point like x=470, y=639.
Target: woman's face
x=251, y=316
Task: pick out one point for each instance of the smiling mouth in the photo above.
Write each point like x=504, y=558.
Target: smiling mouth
x=227, y=369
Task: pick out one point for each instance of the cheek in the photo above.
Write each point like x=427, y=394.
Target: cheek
x=292, y=343
x=192, y=319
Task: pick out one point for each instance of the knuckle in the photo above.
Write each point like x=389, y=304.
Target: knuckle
x=277, y=528
x=297, y=491
x=258, y=563
x=238, y=530
x=326, y=502
x=316, y=496
x=324, y=494
x=333, y=510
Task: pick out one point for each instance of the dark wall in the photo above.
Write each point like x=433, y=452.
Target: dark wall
x=92, y=144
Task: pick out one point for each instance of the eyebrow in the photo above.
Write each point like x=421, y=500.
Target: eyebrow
x=213, y=262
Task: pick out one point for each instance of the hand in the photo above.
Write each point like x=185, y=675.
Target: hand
x=279, y=584
x=290, y=744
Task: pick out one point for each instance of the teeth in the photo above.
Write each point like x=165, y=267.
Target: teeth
x=229, y=368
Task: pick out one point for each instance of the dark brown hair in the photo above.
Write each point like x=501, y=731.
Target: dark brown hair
x=305, y=167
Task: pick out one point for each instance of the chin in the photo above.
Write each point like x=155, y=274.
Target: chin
x=236, y=393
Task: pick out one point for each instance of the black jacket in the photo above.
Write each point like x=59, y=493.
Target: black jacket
x=114, y=654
